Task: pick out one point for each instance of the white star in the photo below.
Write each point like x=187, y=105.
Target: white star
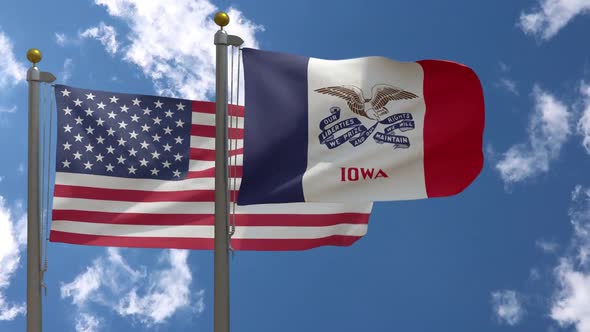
x=67, y=145
x=179, y=123
x=167, y=147
x=155, y=155
x=124, y=108
x=65, y=93
x=168, y=130
x=67, y=128
x=168, y=114
x=121, y=141
x=136, y=102
x=147, y=111
x=155, y=171
x=88, y=165
x=145, y=127
x=176, y=173
x=109, y=167
x=157, y=120
x=78, y=120
x=158, y=103
x=156, y=137
x=66, y=164
x=99, y=157
x=99, y=121
x=78, y=138
x=114, y=99
x=132, y=152
x=77, y=155
x=90, y=96
x=99, y=140
x=144, y=145
x=78, y=102
x=67, y=111
x=112, y=115
x=110, y=132
x=101, y=105
x=166, y=164
x=133, y=134
x=177, y=157
x=143, y=162
x=89, y=111
x=178, y=140
x=122, y=125
x=132, y=170
x=111, y=149
x=89, y=130
x=180, y=106
x=121, y=160
x=134, y=118
x=89, y=147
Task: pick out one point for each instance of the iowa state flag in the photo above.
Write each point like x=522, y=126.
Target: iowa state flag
x=365, y=129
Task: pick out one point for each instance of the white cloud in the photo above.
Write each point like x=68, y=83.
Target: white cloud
x=21, y=168
x=106, y=34
x=61, y=39
x=11, y=71
x=84, y=285
x=507, y=307
x=584, y=123
x=8, y=110
x=11, y=245
x=550, y=16
x=549, y=129
x=66, y=73
x=547, y=246
x=87, y=323
x=167, y=293
x=185, y=64
x=508, y=85
x=571, y=304
x=148, y=297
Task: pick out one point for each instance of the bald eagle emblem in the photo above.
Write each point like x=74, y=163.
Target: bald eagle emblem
x=336, y=131
x=371, y=108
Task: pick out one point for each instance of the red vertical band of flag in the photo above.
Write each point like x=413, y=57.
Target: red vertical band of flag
x=454, y=104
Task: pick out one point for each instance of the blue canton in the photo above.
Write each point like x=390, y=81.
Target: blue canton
x=123, y=135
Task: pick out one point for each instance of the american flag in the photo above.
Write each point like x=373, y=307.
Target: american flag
x=138, y=171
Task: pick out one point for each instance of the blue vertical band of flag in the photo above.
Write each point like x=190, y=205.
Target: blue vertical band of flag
x=275, y=111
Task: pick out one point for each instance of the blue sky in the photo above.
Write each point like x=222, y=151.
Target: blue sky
x=511, y=253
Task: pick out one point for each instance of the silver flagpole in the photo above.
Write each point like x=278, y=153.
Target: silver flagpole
x=221, y=255
x=35, y=77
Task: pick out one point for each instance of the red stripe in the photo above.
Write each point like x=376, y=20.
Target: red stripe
x=453, y=127
x=201, y=243
x=209, y=131
x=242, y=220
x=209, y=108
x=209, y=155
x=127, y=195
x=234, y=171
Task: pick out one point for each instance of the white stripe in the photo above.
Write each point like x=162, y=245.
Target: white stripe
x=209, y=143
x=207, y=119
x=111, y=182
x=80, y=204
x=250, y=232
x=199, y=165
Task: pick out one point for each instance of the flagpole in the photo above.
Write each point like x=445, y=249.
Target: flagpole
x=34, y=278
x=221, y=254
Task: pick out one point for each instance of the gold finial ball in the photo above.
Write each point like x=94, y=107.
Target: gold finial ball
x=221, y=19
x=34, y=55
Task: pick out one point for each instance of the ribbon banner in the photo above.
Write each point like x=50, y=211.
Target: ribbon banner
x=356, y=133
